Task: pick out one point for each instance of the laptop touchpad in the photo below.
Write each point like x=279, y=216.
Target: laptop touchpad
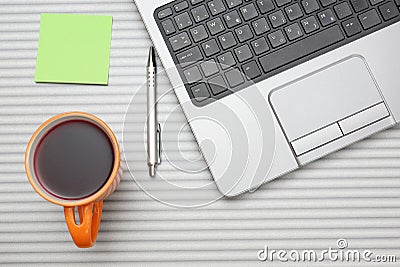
x=324, y=99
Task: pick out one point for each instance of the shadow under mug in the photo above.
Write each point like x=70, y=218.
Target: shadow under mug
x=90, y=207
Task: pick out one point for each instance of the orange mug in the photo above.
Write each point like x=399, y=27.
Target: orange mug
x=89, y=206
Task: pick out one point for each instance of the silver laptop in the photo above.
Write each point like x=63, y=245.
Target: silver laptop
x=268, y=86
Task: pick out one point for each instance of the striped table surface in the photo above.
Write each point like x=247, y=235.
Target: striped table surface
x=353, y=194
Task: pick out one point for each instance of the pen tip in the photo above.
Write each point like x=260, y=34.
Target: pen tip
x=152, y=56
x=152, y=170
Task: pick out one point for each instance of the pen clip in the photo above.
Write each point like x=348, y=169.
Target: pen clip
x=159, y=142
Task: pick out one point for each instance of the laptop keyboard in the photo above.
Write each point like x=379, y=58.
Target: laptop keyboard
x=223, y=46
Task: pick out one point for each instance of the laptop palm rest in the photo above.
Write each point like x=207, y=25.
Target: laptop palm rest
x=319, y=110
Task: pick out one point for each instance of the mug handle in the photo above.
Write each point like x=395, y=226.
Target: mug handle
x=84, y=234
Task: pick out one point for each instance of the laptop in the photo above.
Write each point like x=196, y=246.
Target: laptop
x=268, y=86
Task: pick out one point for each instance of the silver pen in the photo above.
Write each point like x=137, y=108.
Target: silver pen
x=153, y=127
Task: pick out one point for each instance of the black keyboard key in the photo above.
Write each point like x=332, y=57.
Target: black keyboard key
x=180, y=41
x=265, y=6
x=359, y=5
x=277, y=19
x=234, y=77
x=300, y=49
x=164, y=13
x=375, y=2
x=327, y=2
x=277, y=38
x=294, y=12
x=217, y=85
x=216, y=7
x=189, y=56
x=199, y=33
x=200, y=92
x=310, y=24
x=227, y=40
x=209, y=68
x=310, y=5
x=215, y=26
x=249, y=12
x=260, y=46
x=183, y=20
x=181, y=6
x=389, y=11
x=226, y=60
x=251, y=70
x=200, y=13
x=192, y=74
x=397, y=2
x=233, y=3
x=351, y=27
x=210, y=47
x=194, y=2
x=369, y=19
x=293, y=31
x=232, y=19
x=343, y=10
x=168, y=27
x=244, y=33
x=280, y=3
x=260, y=26
x=243, y=53
x=326, y=17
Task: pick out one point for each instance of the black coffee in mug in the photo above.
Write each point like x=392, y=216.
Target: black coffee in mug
x=74, y=159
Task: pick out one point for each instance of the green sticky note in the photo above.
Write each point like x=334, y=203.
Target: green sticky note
x=74, y=49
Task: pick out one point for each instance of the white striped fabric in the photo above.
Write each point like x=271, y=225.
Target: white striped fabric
x=352, y=194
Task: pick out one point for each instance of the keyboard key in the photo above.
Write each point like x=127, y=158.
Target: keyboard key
x=282, y=2
x=183, y=20
x=351, y=27
x=217, y=85
x=310, y=5
x=199, y=33
x=164, y=13
x=294, y=12
x=227, y=40
x=194, y=2
x=343, y=10
x=233, y=3
x=200, y=13
x=180, y=41
x=249, y=12
x=374, y=2
x=310, y=24
x=300, y=49
x=209, y=68
x=326, y=17
x=244, y=33
x=277, y=38
x=260, y=46
x=327, y=2
x=397, y=2
x=359, y=5
x=389, y=11
x=243, y=53
x=369, y=19
x=168, y=27
x=232, y=19
x=189, y=56
x=200, y=92
x=192, y=74
x=215, y=26
x=293, y=31
x=265, y=6
x=181, y=6
x=226, y=60
x=210, y=47
x=216, y=7
x=260, y=26
x=251, y=70
x=234, y=77
x=277, y=19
